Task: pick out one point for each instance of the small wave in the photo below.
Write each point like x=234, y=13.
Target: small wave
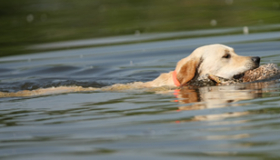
x=47, y=83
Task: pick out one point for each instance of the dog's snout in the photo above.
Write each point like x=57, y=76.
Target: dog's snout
x=256, y=59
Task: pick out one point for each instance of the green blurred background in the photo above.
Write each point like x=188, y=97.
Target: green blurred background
x=28, y=22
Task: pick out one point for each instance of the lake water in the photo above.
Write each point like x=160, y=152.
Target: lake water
x=209, y=123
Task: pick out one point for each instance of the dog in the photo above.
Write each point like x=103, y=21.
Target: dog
x=215, y=59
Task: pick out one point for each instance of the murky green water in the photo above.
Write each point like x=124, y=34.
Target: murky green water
x=29, y=22
x=225, y=122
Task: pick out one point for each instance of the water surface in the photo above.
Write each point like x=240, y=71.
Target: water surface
x=219, y=122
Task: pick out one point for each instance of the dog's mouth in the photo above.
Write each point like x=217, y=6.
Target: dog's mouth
x=238, y=76
x=241, y=75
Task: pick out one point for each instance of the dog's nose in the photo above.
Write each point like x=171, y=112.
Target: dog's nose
x=256, y=59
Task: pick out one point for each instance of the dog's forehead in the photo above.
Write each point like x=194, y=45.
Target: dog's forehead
x=227, y=48
x=217, y=49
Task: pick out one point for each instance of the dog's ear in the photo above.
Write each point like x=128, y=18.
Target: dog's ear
x=187, y=72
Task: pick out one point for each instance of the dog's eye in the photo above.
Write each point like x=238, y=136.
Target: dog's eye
x=227, y=56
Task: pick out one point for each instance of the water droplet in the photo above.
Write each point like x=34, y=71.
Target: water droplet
x=137, y=33
x=245, y=30
x=29, y=18
x=213, y=22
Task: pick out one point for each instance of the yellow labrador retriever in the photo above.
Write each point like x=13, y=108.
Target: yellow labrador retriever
x=216, y=59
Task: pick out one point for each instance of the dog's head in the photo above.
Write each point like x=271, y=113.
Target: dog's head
x=216, y=59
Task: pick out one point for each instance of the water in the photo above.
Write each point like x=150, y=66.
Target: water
x=32, y=22
x=225, y=122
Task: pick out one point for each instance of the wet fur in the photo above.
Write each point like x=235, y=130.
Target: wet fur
x=206, y=60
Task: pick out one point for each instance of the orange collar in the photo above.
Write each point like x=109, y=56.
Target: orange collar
x=175, y=80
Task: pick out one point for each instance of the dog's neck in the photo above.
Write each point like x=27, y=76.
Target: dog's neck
x=175, y=80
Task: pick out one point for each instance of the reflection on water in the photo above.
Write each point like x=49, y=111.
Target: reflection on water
x=212, y=97
x=215, y=122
